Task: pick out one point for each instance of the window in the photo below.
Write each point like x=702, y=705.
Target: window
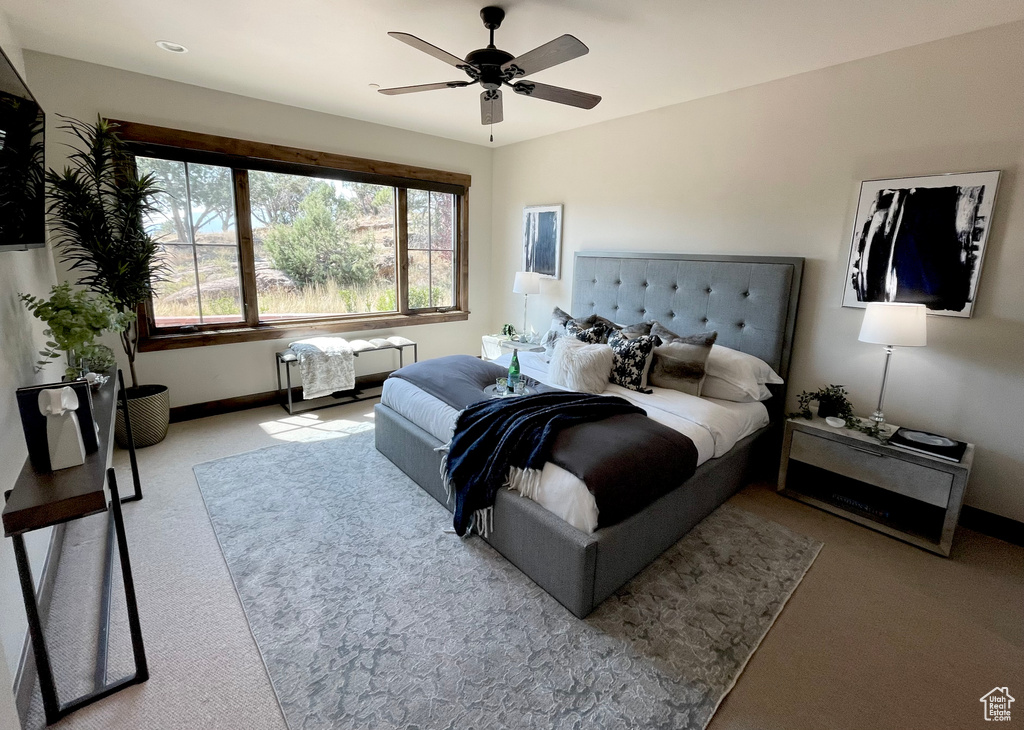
x=262, y=241
x=194, y=222
x=322, y=247
x=431, y=221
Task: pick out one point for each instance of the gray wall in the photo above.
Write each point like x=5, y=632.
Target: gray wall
x=776, y=169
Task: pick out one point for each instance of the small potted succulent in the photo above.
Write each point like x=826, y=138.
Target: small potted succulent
x=74, y=319
x=832, y=401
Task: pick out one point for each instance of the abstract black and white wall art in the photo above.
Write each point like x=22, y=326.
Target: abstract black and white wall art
x=921, y=240
x=542, y=240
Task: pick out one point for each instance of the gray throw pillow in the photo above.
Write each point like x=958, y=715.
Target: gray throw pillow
x=638, y=330
x=559, y=317
x=680, y=362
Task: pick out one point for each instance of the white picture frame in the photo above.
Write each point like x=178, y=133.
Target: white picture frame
x=542, y=240
x=921, y=239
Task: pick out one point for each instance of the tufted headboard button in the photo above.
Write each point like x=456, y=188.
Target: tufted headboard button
x=742, y=325
x=708, y=290
x=746, y=294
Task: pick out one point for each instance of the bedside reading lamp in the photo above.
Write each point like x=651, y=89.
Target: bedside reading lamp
x=893, y=324
x=526, y=283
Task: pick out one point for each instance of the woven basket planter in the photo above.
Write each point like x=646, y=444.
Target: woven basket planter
x=150, y=410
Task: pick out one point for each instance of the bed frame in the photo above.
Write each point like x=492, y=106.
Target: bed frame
x=751, y=301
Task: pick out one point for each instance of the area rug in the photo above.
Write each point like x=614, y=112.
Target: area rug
x=369, y=615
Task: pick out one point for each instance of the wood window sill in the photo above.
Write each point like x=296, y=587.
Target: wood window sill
x=292, y=330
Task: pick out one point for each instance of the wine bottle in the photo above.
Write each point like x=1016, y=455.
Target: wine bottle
x=513, y=370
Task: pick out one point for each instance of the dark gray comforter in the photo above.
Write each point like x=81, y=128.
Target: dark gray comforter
x=626, y=461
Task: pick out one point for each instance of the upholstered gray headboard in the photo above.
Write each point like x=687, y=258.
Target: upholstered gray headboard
x=750, y=301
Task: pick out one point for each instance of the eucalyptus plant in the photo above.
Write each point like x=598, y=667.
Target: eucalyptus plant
x=74, y=319
x=97, y=209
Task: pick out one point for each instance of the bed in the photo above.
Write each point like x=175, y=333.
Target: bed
x=751, y=301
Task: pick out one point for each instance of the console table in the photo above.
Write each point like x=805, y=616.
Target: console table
x=41, y=500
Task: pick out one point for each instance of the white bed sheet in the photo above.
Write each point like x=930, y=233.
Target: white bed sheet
x=714, y=426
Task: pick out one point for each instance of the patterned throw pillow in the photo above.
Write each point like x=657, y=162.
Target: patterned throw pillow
x=632, y=360
x=595, y=334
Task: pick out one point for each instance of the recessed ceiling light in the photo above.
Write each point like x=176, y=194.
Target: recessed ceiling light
x=171, y=47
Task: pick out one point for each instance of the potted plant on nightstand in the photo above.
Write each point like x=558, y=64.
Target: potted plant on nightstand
x=97, y=206
x=832, y=401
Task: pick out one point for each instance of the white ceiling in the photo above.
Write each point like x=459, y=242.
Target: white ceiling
x=644, y=54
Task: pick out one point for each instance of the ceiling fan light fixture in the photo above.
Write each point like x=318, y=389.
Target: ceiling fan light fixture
x=171, y=47
x=493, y=68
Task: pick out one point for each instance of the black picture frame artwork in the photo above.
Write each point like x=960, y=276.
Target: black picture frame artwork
x=542, y=240
x=921, y=240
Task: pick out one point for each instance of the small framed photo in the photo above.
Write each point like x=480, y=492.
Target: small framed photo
x=921, y=240
x=542, y=240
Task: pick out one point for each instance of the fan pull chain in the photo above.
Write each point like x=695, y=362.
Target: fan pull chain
x=492, y=131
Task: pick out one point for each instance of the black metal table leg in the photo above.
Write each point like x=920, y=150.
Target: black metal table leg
x=135, y=628
x=288, y=373
x=123, y=396
x=51, y=704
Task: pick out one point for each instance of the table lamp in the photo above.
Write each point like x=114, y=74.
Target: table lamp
x=526, y=283
x=893, y=324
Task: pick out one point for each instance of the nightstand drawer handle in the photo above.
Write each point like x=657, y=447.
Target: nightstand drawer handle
x=866, y=451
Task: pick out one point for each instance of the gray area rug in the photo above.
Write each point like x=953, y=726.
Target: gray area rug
x=368, y=615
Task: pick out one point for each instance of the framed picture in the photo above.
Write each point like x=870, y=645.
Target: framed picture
x=921, y=240
x=542, y=240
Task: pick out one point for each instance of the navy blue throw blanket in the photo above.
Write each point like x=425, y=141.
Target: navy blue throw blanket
x=494, y=435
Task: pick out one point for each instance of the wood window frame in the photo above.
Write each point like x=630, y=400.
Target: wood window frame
x=243, y=155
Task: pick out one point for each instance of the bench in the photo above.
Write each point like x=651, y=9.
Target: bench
x=289, y=359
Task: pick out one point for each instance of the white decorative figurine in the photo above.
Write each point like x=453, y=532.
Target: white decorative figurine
x=63, y=434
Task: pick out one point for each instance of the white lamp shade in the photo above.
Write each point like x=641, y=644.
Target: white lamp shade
x=895, y=324
x=527, y=282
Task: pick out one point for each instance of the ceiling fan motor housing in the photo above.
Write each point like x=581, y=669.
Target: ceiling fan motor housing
x=489, y=61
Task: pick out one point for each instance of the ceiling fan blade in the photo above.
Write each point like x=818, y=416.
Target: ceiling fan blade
x=562, y=49
x=490, y=107
x=556, y=94
x=422, y=45
x=423, y=87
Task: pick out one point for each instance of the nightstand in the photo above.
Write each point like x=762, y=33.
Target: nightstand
x=494, y=346
x=912, y=497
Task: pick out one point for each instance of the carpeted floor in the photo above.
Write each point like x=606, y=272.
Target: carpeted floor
x=369, y=615
x=880, y=634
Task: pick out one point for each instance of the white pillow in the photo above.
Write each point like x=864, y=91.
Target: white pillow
x=578, y=366
x=737, y=376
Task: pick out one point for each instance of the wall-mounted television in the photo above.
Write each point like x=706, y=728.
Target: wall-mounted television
x=22, y=166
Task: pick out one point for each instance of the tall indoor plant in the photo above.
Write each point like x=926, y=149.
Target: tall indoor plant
x=97, y=206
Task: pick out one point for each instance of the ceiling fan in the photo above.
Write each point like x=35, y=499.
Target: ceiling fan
x=493, y=68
